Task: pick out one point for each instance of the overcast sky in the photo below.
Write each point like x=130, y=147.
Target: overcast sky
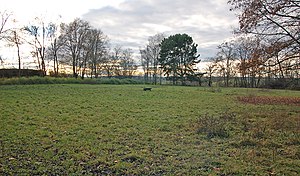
x=129, y=23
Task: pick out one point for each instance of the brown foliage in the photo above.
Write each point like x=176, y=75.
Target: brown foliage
x=269, y=18
x=270, y=100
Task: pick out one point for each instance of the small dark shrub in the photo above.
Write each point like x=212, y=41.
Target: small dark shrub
x=259, y=132
x=248, y=143
x=214, y=126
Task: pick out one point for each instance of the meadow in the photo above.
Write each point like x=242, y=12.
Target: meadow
x=80, y=129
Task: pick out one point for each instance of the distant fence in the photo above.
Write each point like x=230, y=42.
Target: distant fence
x=9, y=73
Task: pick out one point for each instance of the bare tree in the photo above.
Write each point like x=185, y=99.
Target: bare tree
x=3, y=23
x=14, y=39
x=39, y=31
x=74, y=35
x=55, y=45
x=87, y=52
x=146, y=63
x=150, y=56
x=245, y=47
x=211, y=69
x=98, y=45
x=111, y=63
x=127, y=63
x=226, y=57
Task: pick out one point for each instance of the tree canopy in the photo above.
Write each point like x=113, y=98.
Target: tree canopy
x=178, y=55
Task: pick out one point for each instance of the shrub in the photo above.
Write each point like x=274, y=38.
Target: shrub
x=89, y=81
x=214, y=126
x=110, y=81
x=214, y=89
x=53, y=80
x=248, y=143
x=283, y=83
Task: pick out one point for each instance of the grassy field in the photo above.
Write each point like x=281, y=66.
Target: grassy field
x=123, y=130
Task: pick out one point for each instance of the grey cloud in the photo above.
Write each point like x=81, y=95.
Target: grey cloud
x=130, y=24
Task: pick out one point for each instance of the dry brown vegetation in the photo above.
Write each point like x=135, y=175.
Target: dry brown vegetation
x=270, y=100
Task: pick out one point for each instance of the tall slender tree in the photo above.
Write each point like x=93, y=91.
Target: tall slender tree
x=39, y=33
x=98, y=46
x=54, y=47
x=150, y=56
x=226, y=57
x=94, y=49
x=14, y=39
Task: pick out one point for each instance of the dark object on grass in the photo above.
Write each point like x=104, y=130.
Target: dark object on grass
x=147, y=88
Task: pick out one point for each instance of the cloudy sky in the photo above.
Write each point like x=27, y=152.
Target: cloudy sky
x=129, y=23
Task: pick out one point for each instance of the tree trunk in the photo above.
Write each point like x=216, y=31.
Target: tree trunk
x=280, y=67
x=74, y=65
x=209, y=80
x=19, y=58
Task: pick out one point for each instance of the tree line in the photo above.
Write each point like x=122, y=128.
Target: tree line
x=264, y=51
x=86, y=49
x=266, y=47
x=78, y=44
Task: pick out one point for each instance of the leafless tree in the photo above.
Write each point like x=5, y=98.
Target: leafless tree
x=14, y=39
x=3, y=23
x=127, y=63
x=150, y=55
x=54, y=46
x=111, y=63
x=74, y=35
x=211, y=69
x=39, y=31
x=97, y=47
x=246, y=48
x=226, y=56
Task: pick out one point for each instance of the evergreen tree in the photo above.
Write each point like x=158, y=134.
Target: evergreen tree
x=178, y=55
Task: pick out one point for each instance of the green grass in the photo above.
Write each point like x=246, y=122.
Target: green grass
x=76, y=129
